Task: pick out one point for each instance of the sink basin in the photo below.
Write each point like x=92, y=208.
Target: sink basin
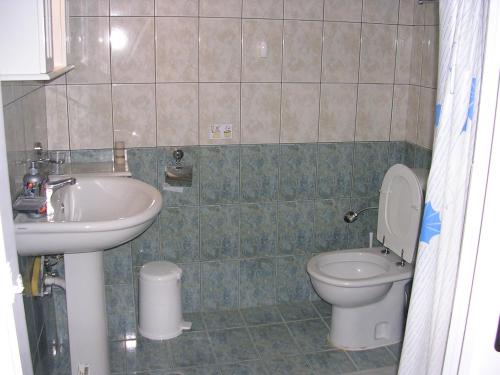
x=95, y=214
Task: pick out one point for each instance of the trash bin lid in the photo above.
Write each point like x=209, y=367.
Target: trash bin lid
x=160, y=271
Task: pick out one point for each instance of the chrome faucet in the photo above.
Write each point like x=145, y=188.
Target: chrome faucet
x=50, y=188
x=56, y=185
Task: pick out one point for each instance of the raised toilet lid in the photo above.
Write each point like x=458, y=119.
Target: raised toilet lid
x=400, y=210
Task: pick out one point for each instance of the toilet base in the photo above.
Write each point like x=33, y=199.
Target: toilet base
x=371, y=326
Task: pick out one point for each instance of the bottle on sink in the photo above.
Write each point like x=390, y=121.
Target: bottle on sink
x=33, y=182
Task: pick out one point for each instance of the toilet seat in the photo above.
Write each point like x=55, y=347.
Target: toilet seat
x=374, y=268
x=400, y=210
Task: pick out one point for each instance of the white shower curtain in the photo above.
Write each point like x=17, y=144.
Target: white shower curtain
x=461, y=42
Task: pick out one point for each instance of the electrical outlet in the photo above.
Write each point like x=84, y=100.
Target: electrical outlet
x=83, y=369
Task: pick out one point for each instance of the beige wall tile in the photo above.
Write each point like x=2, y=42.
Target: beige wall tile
x=220, y=8
x=263, y=8
x=399, y=112
x=373, y=119
x=88, y=8
x=299, y=113
x=57, y=117
x=412, y=114
x=15, y=145
x=260, y=113
x=302, y=51
x=431, y=13
x=8, y=93
x=61, y=80
x=89, y=50
x=89, y=110
x=176, y=7
x=426, y=117
x=419, y=14
x=343, y=10
x=416, y=55
x=341, y=44
x=338, y=112
x=176, y=49
x=403, y=54
x=406, y=12
x=132, y=8
x=256, y=68
x=378, y=52
x=132, y=50
x=220, y=50
x=304, y=10
x=134, y=115
x=177, y=114
x=14, y=128
x=34, y=117
x=430, y=56
x=380, y=11
x=219, y=104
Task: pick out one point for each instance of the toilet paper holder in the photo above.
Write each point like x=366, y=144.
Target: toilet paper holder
x=179, y=175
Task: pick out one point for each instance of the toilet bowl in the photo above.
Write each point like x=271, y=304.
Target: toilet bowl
x=367, y=287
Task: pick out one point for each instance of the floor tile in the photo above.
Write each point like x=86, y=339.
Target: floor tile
x=261, y=315
x=324, y=309
x=196, y=320
x=117, y=356
x=232, y=345
x=311, y=335
x=244, y=368
x=390, y=370
x=395, y=349
x=223, y=319
x=144, y=354
x=371, y=359
x=191, y=349
x=207, y=370
x=297, y=311
x=330, y=363
x=253, y=341
x=273, y=340
x=289, y=366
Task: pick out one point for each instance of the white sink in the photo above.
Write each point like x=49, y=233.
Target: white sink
x=96, y=213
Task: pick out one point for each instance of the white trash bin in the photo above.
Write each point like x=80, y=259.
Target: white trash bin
x=160, y=307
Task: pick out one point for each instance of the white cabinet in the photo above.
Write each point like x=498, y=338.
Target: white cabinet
x=32, y=39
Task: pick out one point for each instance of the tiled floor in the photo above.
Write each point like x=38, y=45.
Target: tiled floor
x=284, y=339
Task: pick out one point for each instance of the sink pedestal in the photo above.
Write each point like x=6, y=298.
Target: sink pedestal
x=86, y=303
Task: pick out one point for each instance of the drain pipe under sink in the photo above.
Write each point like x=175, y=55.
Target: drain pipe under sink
x=53, y=280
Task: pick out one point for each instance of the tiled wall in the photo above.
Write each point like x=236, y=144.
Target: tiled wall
x=25, y=123
x=252, y=219
x=161, y=73
x=421, y=97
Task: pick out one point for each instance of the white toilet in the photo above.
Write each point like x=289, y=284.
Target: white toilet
x=366, y=287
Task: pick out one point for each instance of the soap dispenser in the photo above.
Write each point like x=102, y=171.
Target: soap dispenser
x=33, y=182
